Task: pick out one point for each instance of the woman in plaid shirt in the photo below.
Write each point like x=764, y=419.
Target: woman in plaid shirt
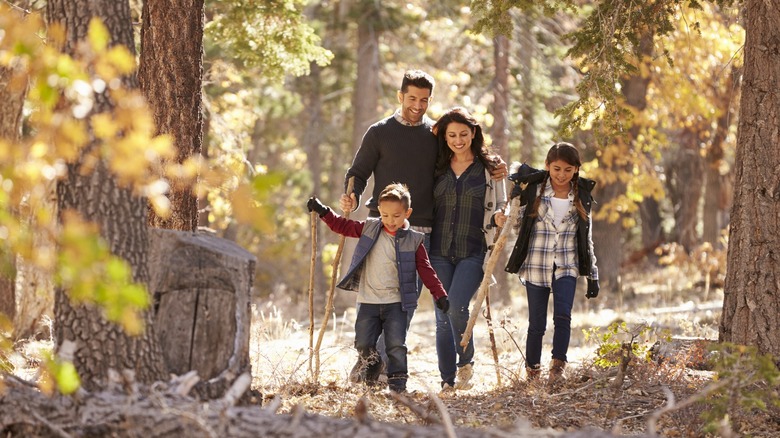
x=468, y=204
x=554, y=246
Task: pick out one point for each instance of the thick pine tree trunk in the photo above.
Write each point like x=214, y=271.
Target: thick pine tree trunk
x=752, y=291
x=170, y=75
x=121, y=217
x=12, y=94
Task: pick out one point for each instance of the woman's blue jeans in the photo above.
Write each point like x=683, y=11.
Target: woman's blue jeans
x=563, y=299
x=460, y=278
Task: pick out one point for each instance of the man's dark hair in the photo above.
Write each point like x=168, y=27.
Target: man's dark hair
x=417, y=78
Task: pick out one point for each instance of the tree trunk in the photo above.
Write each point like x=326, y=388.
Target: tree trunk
x=526, y=52
x=608, y=237
x=688, y=179
x=311, y=142
x=120, y=216
x=366, y=112
x=752, y=291
x=500, y=134
x=170, y=75
x=12, y=92
x=367, y=86
x=715, y=191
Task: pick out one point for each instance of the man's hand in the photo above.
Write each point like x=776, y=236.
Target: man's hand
x=348, y=203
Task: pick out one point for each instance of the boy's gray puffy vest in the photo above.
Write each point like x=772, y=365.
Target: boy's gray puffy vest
x=406, y=243
x=533, y=177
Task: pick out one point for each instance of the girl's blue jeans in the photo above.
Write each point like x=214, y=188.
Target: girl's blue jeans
x=563, y=299
x=460, y=278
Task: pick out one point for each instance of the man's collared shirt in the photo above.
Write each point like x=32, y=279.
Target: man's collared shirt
x=398, y=117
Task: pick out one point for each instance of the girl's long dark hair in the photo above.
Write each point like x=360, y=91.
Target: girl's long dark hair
x=569, y=154
x=460, y=115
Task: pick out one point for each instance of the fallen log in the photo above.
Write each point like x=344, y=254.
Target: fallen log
x=160, y=410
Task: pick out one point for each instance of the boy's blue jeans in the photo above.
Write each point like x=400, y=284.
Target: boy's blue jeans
x=388, y=319
x=380, y=345
x=460, y=278
x=563, y=299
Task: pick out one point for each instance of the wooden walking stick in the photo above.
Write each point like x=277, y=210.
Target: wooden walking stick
x=314, y=219
x=492, y=335
x=332, y=291
x=491, y=264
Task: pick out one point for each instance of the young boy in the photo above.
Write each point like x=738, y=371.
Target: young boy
x=384, y=269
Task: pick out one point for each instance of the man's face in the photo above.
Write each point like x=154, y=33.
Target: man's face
x=393, y=215
x=414, y=103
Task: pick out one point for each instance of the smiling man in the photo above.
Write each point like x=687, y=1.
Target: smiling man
x=400, y=148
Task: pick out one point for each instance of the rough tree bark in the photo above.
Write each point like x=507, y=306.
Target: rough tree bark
x=170, y=75
x=752, y=291
x=120, y=215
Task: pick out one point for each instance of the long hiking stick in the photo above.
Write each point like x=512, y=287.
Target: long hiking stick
x=491, y=264
x=312, y=267
x=332, y=291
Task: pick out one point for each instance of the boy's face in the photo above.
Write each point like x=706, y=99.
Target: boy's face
x=393, y=215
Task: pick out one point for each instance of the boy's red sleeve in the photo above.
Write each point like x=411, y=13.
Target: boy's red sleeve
x=345, y=227
x=428, y=275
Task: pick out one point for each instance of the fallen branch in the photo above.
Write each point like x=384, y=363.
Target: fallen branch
x=491, y=264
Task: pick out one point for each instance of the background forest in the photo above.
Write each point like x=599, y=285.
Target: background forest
x=276, y=107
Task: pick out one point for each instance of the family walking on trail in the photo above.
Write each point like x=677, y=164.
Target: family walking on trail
x=457, y=187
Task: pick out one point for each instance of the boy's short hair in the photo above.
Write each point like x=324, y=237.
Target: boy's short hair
x=396, y=192
x=417, y=78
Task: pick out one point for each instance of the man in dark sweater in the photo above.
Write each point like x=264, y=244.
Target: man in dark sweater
x=400, y=148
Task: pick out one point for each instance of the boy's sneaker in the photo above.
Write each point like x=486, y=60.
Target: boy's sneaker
x=465, y=373
x=447, y=388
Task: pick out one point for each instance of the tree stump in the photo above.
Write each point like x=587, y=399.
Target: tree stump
x=202, y=287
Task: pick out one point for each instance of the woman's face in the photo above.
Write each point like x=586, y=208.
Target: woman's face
x=561, y=173
x=459, y=137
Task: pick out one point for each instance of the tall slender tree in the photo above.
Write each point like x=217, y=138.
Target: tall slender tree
x=97, y=196
x=170, y=75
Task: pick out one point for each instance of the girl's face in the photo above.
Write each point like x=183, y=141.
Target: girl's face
x=459, y=137
x=393, y=215
x=561, y=174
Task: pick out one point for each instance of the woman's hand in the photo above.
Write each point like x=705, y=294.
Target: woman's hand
x=499, y=218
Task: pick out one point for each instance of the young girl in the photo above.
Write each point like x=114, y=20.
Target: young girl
x=554, y=246
x=468, y=205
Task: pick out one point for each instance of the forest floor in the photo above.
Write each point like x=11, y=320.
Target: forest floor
x=660, y=304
